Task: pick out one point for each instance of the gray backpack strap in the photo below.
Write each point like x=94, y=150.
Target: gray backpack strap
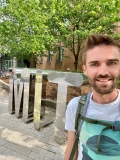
x=82, y=107
x=81, y=110
x=86, y=104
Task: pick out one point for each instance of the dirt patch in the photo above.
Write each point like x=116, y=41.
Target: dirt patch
x=5, y=79
x=51, y=91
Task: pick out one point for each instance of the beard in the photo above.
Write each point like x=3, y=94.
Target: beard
x=104, y=88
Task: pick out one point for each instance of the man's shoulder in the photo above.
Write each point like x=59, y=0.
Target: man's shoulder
x=70, y=114
x=74, y=100
x=73, y=104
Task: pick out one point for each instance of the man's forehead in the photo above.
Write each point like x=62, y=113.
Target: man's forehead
x=103, y=53
x=105, y=47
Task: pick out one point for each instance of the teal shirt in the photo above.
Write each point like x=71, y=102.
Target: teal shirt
x=109, y=142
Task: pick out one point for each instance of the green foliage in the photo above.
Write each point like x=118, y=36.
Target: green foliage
x=24, y=31
x=119, y=82
x=33, y=27
x=83, y=75
x=74, y=20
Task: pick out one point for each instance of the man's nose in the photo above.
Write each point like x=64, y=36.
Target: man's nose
x=103, y=69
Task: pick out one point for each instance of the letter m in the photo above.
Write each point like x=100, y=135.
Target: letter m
x=19, y=94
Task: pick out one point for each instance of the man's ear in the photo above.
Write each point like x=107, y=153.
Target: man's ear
x=84, y=69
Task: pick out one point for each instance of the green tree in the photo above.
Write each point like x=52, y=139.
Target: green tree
x=30, y=28
x=23, y=29
x=74, y=20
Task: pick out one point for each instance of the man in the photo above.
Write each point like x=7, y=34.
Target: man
x=101, y=61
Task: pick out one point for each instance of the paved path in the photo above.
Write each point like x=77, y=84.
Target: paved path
x=20, y=141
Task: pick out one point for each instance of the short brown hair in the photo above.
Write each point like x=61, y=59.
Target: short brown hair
x=98, y=39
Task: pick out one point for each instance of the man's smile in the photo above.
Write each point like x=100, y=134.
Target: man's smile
x=104, y=80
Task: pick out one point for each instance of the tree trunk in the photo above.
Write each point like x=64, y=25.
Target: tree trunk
x=32, y=61
x=76, y=64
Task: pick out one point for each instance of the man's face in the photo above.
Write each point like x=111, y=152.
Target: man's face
x=103, y=68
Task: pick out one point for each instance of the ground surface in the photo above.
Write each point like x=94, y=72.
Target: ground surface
x=20, y=141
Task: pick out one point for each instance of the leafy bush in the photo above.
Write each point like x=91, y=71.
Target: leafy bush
x=119, y=82
x=84, y=76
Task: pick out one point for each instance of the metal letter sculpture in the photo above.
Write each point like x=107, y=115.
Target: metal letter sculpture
x=19, y=93
x=37, y=102
x=11, y=105
x=63, y=79
x=19, y=97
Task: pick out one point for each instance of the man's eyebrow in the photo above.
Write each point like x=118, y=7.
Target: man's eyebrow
x=115, y=59
x=109, y=60
x=93, y=61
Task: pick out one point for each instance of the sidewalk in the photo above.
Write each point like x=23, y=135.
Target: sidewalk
x=20, y=141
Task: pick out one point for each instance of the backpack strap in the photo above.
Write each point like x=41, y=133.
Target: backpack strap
x=107, y=126
x=81, y=110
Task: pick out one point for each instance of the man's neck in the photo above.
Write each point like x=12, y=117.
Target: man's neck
x=104, y=98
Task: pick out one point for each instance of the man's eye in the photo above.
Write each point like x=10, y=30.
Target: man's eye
x=111, y=63
x=94, y=64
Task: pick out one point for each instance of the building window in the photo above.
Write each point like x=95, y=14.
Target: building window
x=42, y=58
x=50, y=56
x=61, y=53
x=3, y=1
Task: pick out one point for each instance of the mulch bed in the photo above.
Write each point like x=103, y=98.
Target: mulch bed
x=5, y=79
